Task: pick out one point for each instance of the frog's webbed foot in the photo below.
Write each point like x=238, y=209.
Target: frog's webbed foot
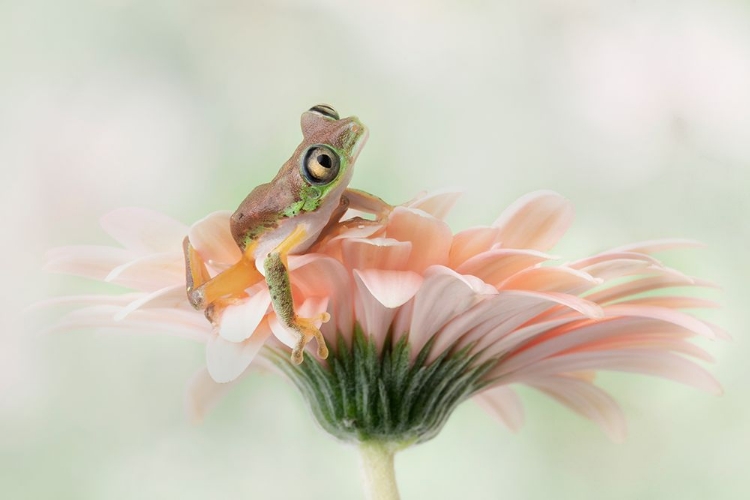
x=224, y=289
x=277, y=278
x=307, y=330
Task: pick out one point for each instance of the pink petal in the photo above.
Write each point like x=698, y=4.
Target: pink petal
x=314, y=275
x=373, y=316
x=390, y=288
x=494, y=266
x=172, y=297
x=376, y=253
x=621, y=267
x=437, y=203
x=588, y=400
x=550, y=279
x=670, y=316
x=443, y=295
x=672, y=302
x=503, y=403
x=86, y=260
x=150, y=272
x=239, y=321
x=535, y=221
x=430, y=237
x=226, y=360
x=624, y=290
x=143, y=230
x=471, y=242
x=212, y=238
x=661, y=245
x=610, y=256
x=647, y=362
x=203, y=393
x=312, y=307
x=173, y=322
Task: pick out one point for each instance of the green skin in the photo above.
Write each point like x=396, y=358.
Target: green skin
x=288, y=215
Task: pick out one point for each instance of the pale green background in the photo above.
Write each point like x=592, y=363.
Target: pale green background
x=639, y=112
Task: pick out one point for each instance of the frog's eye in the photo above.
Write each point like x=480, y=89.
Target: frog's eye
x=325, y=110
x=320, y=165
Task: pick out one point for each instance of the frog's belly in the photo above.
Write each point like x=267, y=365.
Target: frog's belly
x=268, y=242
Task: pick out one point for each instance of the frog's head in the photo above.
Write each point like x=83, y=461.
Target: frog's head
x=329, y=149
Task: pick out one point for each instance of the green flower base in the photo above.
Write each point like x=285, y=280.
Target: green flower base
x=359, y=394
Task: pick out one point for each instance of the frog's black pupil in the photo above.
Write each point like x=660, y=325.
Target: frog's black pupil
x=324, y=161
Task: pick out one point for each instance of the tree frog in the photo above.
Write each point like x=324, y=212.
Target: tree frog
x=309, y=195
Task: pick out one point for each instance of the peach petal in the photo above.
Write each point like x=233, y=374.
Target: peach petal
x=212, y=238
x=535, y=221
x=609, y=256
x=504, y=404
x=624, y=290
x=225, y=360
x=662, y=364
x=471, y=242
x=670, y=316
x=312, y=307
x=437, y=203
x=495, y=266
x=143, y=230
x=150, y=272
x=591, y=335
x=316, y=275
x=670, y=302
x=661, y=245
x=430, y=237
x=169, y=297
x=502, y=343
x=178, y=323
x=390, y=288
x=443, y=295
x=550, y=279
x=86, y=260
x=239, y=321
x=374, y=317
x=587, y=400
x=376, y=253
x=203, y=393
x=621, y=267
x=581, y=305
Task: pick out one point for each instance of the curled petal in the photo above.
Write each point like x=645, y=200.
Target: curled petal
x=535, y=221
x=390, y=288
x=239, y=321
x=212, y=239
x=376, y=253
x=654, y=246
x=227, y=360
x=144, y=231
x=551, y=279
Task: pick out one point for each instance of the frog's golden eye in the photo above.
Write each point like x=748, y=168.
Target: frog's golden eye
x=325, y=110
x=320, y=165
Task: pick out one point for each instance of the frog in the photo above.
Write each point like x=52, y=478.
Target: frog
x=307, y=198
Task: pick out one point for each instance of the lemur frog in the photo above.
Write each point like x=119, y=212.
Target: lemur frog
x=286, y=216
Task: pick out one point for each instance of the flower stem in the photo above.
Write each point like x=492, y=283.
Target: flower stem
x=378, y=474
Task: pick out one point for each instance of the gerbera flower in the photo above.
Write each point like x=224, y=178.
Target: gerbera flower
x=421, y=319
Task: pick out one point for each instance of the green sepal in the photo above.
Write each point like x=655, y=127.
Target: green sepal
x=363, y=394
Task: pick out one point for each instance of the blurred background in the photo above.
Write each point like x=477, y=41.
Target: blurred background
x=639, y=112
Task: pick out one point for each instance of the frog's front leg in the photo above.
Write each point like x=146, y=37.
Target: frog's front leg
x=277, y=278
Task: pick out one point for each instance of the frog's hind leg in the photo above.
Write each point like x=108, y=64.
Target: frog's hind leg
x=214, y=294
x=277, y=278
